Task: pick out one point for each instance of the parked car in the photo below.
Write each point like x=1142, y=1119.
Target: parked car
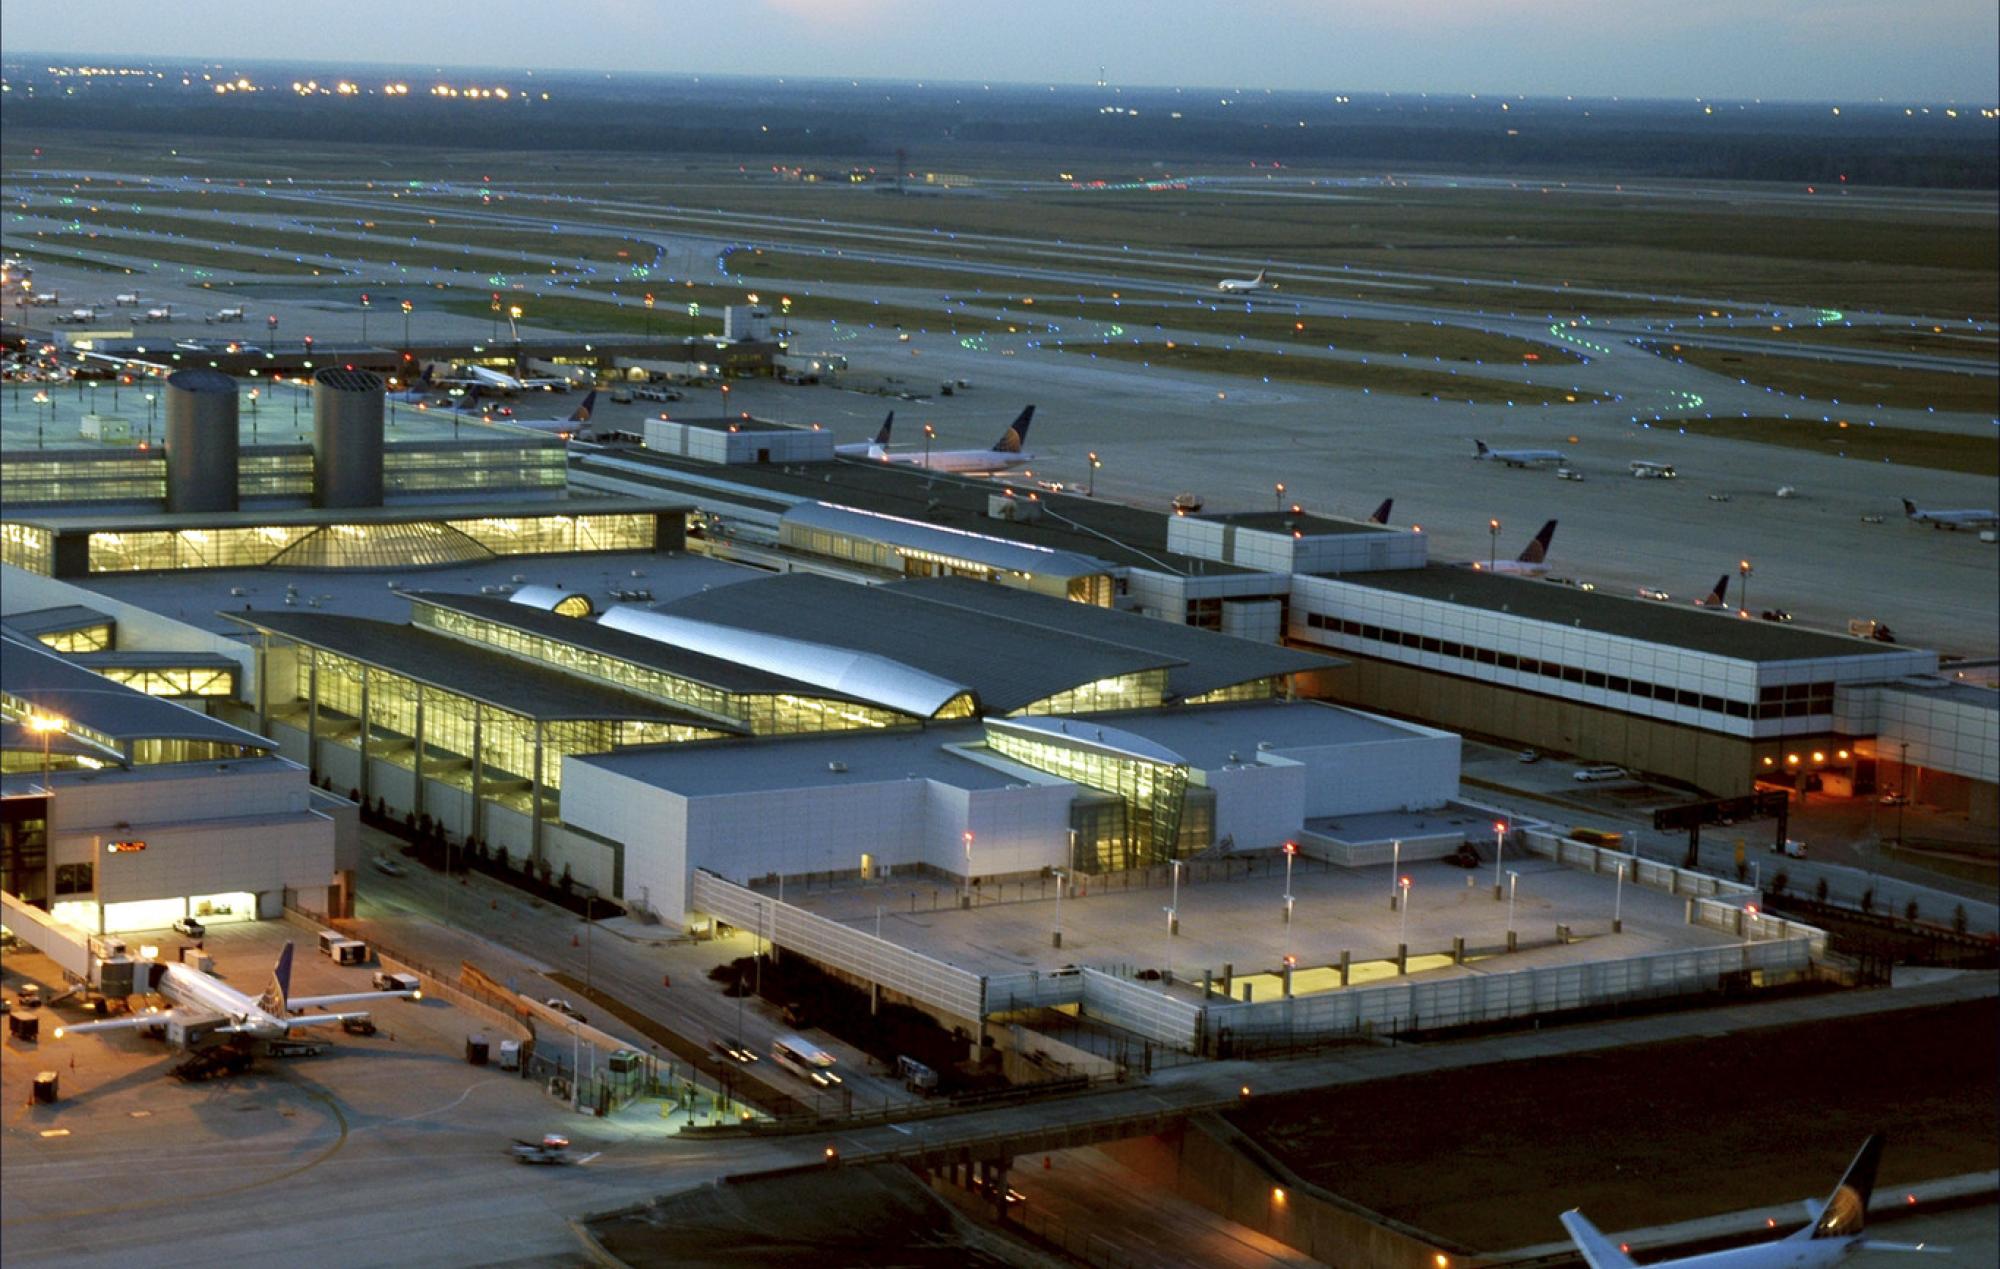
x=387, y=866
x=1795, y=848
x=190, y=927
x=1777, y=614
x=1528, y=755
x=1591, y=775
x=1894, y=799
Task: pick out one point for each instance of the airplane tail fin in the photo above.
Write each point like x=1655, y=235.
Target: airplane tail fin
x=1016, y=435
x=1715, y=597
x=1381, y=515
x=1846, y=1210
x=1260, y=274
x=273, y=999
x=1479, y=449
x=1537, y=550
x=1909, y=508
x=1598, y=1251
x=882, y=437
x=582, y=412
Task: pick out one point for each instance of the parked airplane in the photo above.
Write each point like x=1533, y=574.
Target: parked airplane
x=1258, y=283
x=1715, y=598
x=1949, y=519
x=126, y=299
x=164, y=313
x=1833, y=1235
x=574, y=427
x=203, y=1006
x=1645, y=469
x=868, y=449
x=500, y=381
x=1518, y=457
x=1005, y=455
x=1381, y=515
x=226, y=315
x=1533, y=561
x=419, y=391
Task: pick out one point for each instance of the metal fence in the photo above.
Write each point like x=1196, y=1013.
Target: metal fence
x=1650, y=873
x=1148, y=1010
x=924, y=979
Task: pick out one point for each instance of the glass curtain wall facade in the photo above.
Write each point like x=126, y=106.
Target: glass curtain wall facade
x=174, y=681
x=1153, y=793
x=364, y=544
x=1145, y=690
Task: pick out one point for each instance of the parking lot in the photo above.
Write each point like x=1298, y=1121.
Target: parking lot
x=1239, y=922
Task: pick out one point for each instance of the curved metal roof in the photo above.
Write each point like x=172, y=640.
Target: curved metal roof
x=1078, y=734
x=963, y=544
x=861, y=675
x=546, y=598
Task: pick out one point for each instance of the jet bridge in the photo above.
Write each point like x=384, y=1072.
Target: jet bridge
x=100, y=963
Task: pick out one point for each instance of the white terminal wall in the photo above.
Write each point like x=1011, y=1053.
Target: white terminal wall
x=243, y=826
x=1947, y=729
x=1728, y=678
x=719, y=445
x=1166, y=595
x=1278, y=551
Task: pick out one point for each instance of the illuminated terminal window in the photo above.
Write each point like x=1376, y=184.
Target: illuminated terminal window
x=60, y=477
x=509, y=468
x=360, y=544
x=1146, y=689
x=94, y=638
x=28, y=548
x=172, y=681
x=1254, y=690
x=1152, y=789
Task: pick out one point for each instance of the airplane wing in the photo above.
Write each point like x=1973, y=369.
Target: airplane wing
x=315, y=1019
x=1598, y=1251
x=1876, y=1244
x=127, y=1023
x=316, y=1002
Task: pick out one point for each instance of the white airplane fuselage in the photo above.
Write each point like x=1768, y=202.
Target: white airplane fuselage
x=963, y=462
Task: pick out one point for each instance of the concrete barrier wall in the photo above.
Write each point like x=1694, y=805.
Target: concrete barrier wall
x=1650, y=873
x=1006, y=993
x=1143, y=1009
x=930, y=982
x=1452, y=1002
x=1210, y=1162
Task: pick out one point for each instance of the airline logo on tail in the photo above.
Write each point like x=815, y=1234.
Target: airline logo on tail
x=1537, y=550
x=1846, y=1210
x=582, y=414
x=1016, y=435
x=1381, y=515
x=882, y=437
x=273, y=999
x=1715, y=597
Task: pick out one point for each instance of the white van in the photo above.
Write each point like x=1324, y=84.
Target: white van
x=1591, y=775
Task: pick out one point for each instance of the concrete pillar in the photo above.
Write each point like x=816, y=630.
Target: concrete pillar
x=312, y=717
x=1249, y=992
x=1288, y=982
x=1510, y=941
x=1228, y=974
x=1344, y=954
x=1402, y=958
x=365, y=783
x=1458, y=950
x=417, y=761
x=476, y=822
x=874, y=999
x=1207, y=983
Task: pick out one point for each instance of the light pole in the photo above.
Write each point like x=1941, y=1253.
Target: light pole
x=649, y=317
x=1279, y=495
x=1174, y=907
x=42, y=398
x=1062, y=884
x=1513, y=881
x=253, y=416
x=1395, y=863
x=46, y=727
x=930, y=434
x=1499, y=848
x=407, y=306
x=364, y=317
x=1743, y=570
x=968, y=867
x=1618, y=903
x=514, y=315
x=1903, y=799
x=1291, y=849
x=150, y=399
x=1091, y=492
x=1403, y=929
x=1492, y=545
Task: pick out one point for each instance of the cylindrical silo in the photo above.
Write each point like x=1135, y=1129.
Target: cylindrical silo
x=201, y=441
x=347, y=438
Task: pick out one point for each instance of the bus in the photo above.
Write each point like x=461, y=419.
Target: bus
x=1598, y=837
x=805, y=1059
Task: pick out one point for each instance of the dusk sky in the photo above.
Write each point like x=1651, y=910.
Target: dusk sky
x=1834, y=50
